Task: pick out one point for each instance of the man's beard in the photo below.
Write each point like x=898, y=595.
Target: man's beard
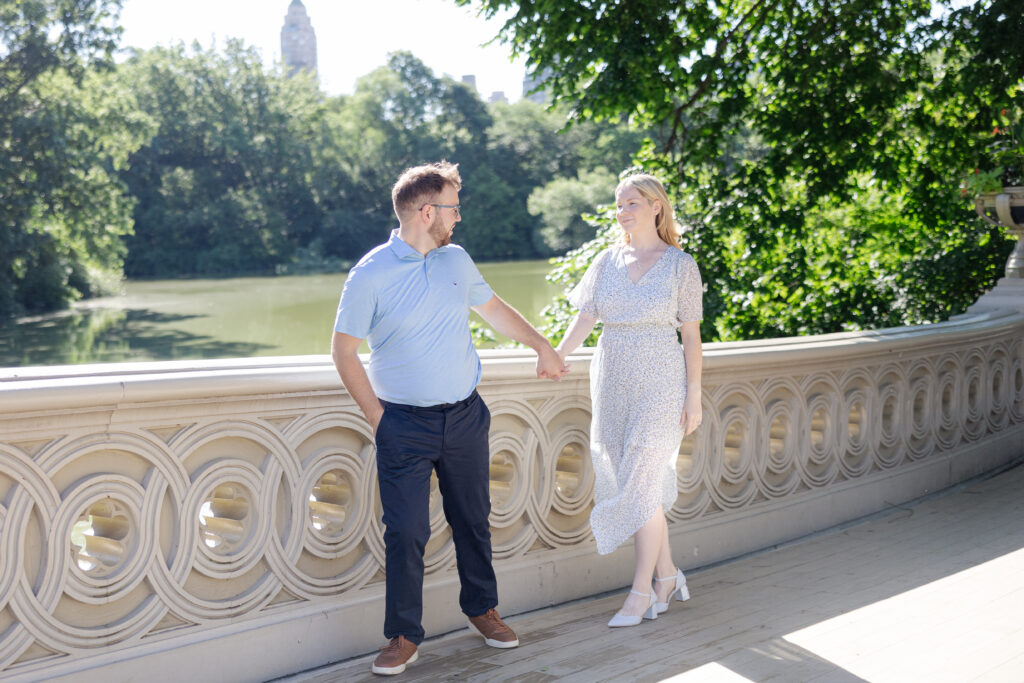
x=439, y=233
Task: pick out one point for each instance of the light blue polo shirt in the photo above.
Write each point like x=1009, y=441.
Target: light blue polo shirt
x=414, y=312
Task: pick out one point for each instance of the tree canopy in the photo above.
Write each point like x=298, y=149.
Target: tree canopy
x=251, y=171
x=561, y=203
x=62, y=210
x=193, y=161
x=814, y=149
x=223, y=179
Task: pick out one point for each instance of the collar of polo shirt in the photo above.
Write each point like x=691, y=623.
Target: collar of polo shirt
x=407, y=253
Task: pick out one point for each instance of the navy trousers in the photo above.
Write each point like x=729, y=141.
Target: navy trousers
x=412, y=442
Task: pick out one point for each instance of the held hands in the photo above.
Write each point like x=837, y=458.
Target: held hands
x=550, y=365
x=691, y=413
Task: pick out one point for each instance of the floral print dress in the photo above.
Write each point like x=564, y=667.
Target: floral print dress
x=637, y=386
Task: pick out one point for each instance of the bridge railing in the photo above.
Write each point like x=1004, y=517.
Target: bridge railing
x=182, y=519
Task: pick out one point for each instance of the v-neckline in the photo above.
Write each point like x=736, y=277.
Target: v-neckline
x=625, y=266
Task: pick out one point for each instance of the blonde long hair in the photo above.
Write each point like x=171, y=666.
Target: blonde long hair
x=651, y=189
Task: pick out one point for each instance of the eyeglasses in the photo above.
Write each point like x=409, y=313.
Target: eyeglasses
x=457, y=207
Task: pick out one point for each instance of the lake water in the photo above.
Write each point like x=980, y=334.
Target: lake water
x=234, y=317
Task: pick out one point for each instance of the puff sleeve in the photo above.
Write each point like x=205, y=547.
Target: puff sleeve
x=691, y=292
x=582, y=296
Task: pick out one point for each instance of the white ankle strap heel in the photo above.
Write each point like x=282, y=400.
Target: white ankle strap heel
x=680, y=591
x=627, y=620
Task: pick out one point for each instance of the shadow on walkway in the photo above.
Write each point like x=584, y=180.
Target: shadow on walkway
x=929, y=591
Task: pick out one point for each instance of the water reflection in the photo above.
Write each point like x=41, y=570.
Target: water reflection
x=224, y=318
x=107, y=335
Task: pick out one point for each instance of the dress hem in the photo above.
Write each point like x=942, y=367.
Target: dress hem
x=647, y=519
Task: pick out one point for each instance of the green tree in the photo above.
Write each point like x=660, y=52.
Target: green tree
x=66, y=127
x=400, y=115
x=770, y=121
x=252, y=172
x=561, y=203
x=528, y=147
x=223, y=186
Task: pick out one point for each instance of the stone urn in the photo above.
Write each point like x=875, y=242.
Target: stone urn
x=1006, y=208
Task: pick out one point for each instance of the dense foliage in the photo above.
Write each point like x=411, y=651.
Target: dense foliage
x=252, y=171
x=222, y=184
x=63, y=211
x=562, y=203
x=203, y=161
x=815, y=149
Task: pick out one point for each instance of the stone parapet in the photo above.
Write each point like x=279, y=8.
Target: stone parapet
x=182, y=519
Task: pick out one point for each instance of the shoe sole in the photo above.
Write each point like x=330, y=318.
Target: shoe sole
x=394, y=670
x=503, y=644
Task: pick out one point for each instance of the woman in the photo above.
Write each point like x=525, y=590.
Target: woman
x=645, y=387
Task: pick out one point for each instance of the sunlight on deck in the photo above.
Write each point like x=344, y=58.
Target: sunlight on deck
x=709, y=673
x=942, y=629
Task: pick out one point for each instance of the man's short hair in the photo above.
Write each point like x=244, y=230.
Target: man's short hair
x=421, y=184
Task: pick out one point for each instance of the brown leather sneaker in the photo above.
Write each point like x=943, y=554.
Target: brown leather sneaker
x=496, y=632
x=394, y=656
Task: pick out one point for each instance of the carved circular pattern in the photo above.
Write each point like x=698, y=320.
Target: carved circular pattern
x=819, y=433
x=194, y=524
x=978, y=397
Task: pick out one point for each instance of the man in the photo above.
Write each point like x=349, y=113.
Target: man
x=411, y=298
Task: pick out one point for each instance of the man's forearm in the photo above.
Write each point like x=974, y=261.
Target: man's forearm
x=353, y=376
x=509, y=322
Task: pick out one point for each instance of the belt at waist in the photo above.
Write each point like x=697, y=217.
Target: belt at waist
x=431, y=409
x=630, y=329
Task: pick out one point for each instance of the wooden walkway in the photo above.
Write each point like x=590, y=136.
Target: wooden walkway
x=931, y=591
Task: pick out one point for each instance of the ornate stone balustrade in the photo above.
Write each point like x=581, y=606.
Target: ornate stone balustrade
x=179, y=520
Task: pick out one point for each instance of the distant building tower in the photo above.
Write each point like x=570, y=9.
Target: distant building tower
x=498, y=96
x=298, y=41
x=531, y=81
x=470, y=80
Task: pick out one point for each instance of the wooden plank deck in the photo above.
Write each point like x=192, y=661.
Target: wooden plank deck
x=930, y=591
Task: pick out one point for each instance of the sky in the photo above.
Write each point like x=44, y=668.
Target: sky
x=353, y=38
